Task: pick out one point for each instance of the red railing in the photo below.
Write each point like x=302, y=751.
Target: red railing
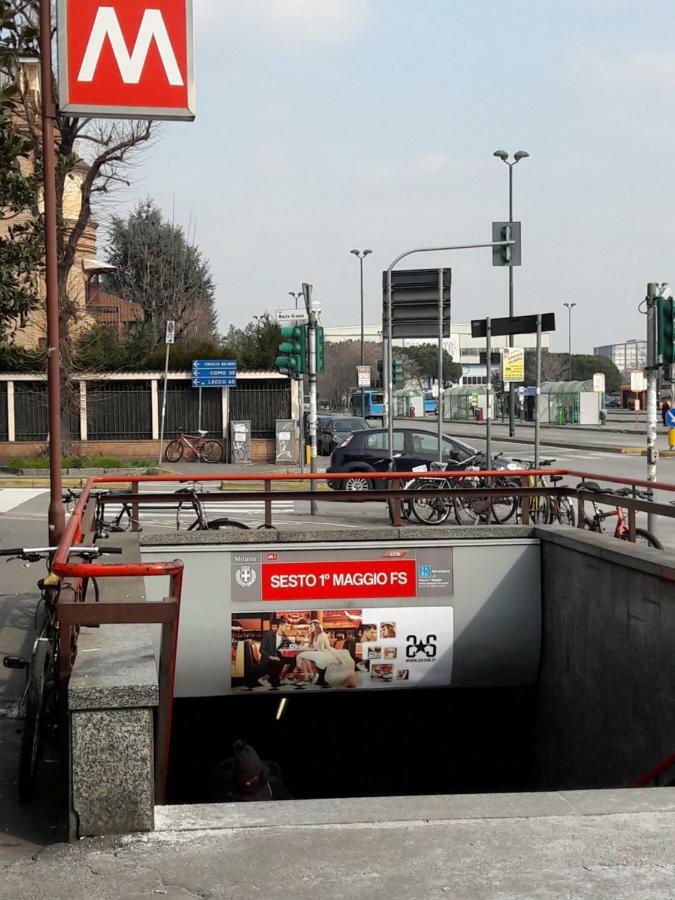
x=653, y=774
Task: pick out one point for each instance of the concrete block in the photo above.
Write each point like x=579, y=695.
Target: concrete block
x=112, y=771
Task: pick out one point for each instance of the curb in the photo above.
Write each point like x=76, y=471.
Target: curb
x=638, y=451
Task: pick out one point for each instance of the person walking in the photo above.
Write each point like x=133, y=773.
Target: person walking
x=665, y=406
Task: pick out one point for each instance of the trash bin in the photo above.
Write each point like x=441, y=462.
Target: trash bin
x=479, y=414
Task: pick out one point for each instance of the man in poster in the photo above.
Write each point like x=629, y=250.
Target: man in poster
x=270, y=662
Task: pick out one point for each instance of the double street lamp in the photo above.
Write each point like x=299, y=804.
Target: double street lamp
x=504, y=156
x=296, y=296
x=361, y=255
x=569, y=332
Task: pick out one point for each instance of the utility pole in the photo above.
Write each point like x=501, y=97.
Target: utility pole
x=440, y=365
x=488, y=394
x=169, y=338
x=361, y=255
x=56, y=515
x=311, y=319
x=537, y=395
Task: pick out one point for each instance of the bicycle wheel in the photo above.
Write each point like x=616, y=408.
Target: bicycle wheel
x=431, y=510
x=31, y=738
x=212, y=451
x=216, y=524
x=564, y=512
x=174, y=451
x=540, y=510
x=646, y=538
x=470, y=510
x=503, y=508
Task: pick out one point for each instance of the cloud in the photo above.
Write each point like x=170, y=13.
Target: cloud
x=301, y=21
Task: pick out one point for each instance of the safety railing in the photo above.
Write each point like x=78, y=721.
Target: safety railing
x=72, y=613
x=396, y=492
x=661, y=775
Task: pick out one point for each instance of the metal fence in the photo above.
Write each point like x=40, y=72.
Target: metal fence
x=31, y=411
x=261, y=402
x=4, y=430
x=119, y=410
x=182, y=409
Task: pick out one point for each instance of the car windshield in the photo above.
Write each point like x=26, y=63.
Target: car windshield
x=349, y=425
x=468, y=449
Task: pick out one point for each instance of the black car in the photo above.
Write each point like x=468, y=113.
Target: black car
x=413, y=447
x=336, y=430
x=321, y=422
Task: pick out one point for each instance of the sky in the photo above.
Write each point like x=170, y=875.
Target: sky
x=327, y=125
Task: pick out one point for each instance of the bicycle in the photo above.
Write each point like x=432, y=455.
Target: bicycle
x=40, y=698
x=544, y=510
x=622, y=530
x=210, y=451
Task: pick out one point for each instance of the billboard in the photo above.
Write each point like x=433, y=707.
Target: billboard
x=363, y=649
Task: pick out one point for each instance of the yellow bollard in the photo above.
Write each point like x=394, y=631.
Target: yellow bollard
x=308, y=454
x=671, y=438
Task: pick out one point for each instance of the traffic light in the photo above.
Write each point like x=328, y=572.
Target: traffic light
x=665, y=307
x=294, y=350
x=506, y=256
x=320, y=356
x=380, y=372
x=397, y=371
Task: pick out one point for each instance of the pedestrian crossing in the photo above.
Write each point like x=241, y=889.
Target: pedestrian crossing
x=169, y=516
x=10, y=498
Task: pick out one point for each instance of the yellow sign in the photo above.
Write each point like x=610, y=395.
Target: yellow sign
x=513, y=364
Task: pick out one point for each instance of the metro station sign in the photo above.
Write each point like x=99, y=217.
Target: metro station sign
x=126, y=59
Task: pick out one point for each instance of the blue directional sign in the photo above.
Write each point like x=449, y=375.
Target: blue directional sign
x=670, y=418
x=214, y=373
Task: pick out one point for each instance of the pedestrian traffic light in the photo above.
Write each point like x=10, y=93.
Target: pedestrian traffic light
x=665, y=307
x=397, y=371
x=294, y=350
x=320, y=356
x=509, y=255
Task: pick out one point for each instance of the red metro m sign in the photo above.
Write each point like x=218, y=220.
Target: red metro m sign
x=126, y=59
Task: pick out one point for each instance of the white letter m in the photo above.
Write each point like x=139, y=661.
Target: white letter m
x=131, y=66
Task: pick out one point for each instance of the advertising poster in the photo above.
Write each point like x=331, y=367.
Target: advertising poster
x=363, y=649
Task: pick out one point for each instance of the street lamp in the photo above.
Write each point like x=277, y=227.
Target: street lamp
x=361, y=255
x=295, y=296
x=569, y=332
x=517, y=156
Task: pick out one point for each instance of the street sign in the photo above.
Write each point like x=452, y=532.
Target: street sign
x=599, y=382
x=512, y=325
x=291, y=315
x=638, y=382
x=126, y=59
x=513, y=364
x=214, y=373
x=414, y=303
x=363, y=375
x=670, y=418
x=170, y=336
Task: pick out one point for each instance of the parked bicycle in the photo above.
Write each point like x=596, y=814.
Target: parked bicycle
x=40, y=700
x=209, y=451
x=543, y=509
x=622, y=529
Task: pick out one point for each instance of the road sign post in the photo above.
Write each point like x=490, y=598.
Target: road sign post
x=214, y=373
x=169, y=339
x=311, y=315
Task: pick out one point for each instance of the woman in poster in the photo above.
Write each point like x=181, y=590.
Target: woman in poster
x=321, y=654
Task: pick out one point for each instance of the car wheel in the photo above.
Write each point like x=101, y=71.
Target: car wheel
x=356, y=483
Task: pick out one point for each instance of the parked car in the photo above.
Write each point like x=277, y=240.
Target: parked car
x=336, y=430
x=368, y=451
x=321, y=422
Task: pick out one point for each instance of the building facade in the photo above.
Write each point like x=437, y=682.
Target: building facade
x=628, y=356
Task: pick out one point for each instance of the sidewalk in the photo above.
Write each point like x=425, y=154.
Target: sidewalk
x=604, y=845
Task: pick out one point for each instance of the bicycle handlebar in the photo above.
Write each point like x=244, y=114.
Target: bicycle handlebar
x=32, y=554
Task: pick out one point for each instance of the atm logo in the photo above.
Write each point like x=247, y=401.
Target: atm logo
x=126, y=58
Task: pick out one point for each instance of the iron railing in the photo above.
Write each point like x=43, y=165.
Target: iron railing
x=31, y=411
x=119, y=410
x=182, y=409
x=261, y=403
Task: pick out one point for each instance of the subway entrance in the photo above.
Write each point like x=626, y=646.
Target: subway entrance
x=362, y=744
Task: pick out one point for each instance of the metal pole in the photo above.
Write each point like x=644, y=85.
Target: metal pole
x=199, y=414
x=311, y=318
x=390, y=375
x=363, y=392
x=488, y=394
x=161, y=427
x=440, y=365
x=56, y=515
x=301, y=417
x=652, y=377
x=536, y=395
x=569, y=335
x=512, y=422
